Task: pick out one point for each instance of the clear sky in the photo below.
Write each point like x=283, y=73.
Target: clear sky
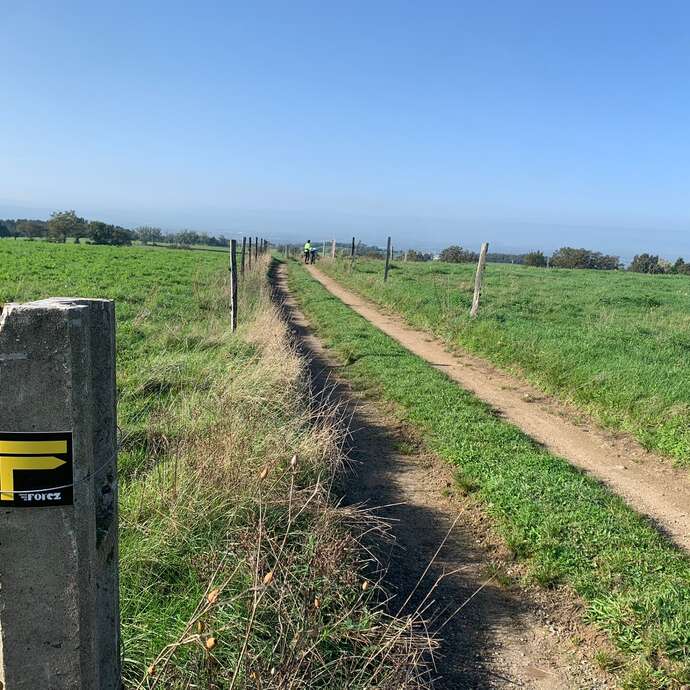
x=528, y=124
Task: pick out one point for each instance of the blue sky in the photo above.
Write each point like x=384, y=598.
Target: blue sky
x=528, y=124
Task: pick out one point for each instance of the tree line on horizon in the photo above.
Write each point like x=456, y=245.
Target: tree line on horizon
x=571, y=257
x=64, y=224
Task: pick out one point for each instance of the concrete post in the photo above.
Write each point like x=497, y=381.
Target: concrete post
x=333, y=249
x=478, y=279
x=59, y=606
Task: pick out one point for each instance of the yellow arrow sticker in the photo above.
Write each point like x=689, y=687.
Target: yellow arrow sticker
x=8, y=447
x=10, y=463
x=35, y=469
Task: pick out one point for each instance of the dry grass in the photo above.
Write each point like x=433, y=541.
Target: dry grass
x=240, y=570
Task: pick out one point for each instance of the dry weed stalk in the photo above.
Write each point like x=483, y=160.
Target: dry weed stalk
x=286, y=603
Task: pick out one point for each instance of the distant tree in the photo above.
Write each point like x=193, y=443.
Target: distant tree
x=680, y=267
x=4, y=231
x=457, y=255
x=147, y=234
x=100, y=232
x=414, y=255
x=63, y=224
x=104, y=233
x=569, y=257
x=646, y=263
x=186, y=238
x=536, y=258
x=31, y=228
x=122, y=236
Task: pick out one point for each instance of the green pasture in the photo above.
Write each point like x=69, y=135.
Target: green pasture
x=615, y=344
x=570, y=530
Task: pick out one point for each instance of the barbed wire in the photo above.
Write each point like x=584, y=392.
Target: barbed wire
x=87, y=478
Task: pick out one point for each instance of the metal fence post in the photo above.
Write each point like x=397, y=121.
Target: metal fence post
x=388, y=258
x=233, y=285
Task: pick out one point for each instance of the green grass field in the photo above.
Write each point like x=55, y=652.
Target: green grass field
x=566, y=526
x=209, y=499
x=615, y=344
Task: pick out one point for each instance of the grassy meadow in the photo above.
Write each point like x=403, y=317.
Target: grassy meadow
x=567, y=527
x=615, y=344
x=237, y=568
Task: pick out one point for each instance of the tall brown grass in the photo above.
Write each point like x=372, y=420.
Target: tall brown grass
x=240, y=568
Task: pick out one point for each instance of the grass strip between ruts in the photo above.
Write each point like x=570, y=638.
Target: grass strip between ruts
x=571, y=530
x=613, y=343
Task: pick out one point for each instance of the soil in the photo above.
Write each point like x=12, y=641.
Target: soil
x=647, y=482
x=507, y=634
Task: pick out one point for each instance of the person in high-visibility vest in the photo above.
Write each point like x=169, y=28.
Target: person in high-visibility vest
x=307, y=251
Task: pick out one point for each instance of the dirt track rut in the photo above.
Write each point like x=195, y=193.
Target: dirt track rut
x=504, y=637
x=648, y=483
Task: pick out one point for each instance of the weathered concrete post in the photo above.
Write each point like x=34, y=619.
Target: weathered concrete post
x=59, y=606
x=478, y=279
x=333, y=250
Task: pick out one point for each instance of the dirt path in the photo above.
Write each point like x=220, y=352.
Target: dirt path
x=648, y=483
x=506, y=636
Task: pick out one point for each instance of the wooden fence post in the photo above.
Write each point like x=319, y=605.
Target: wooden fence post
x=59, y=594
x=256, y=249
x=233, y=285
x=388, y=256
x=352, y=253
x=249, y=255
x=478, y=279
x=333, y=249
x=244, y=248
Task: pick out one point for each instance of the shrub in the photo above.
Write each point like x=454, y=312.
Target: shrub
x=569, y=257
x=535, y=259
x=457, y=255
x=646, y=263
x=414, y=255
